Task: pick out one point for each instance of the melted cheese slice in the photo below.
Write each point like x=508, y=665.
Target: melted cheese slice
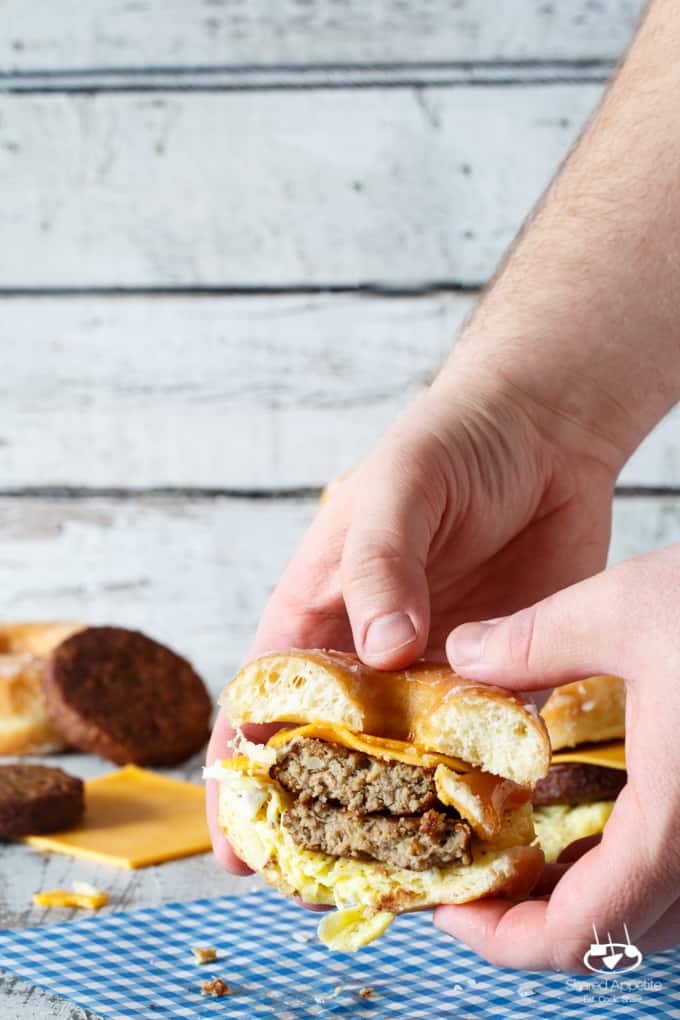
x=379, y=747
x=479, y=797
x=610, y=756
x=243, y=764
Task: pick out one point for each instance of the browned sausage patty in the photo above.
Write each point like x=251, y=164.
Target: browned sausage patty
x=325, y=772
x=416, y=842
x=35, y=799
x=576, y=783
x=118, y=694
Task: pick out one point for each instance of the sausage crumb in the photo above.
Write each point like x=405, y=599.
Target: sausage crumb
x=365, y=993
x=216, y=987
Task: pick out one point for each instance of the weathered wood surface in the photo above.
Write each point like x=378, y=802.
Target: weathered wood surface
x=393, y=187
x=195, y=574
x=116, y=33
x=139, y=392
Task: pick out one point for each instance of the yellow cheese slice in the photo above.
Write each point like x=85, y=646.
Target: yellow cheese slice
x=133, y=818
x=379, y=747
x=610, y=756
x=64, y=898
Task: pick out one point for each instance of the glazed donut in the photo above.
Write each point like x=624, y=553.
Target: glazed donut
x=25, y=727
x=426, y=704
x=587, y=711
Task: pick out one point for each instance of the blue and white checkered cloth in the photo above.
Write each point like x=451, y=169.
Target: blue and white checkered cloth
x=139, y=964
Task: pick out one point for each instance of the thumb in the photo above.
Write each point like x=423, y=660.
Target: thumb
x=384, y=581
x=579, y=631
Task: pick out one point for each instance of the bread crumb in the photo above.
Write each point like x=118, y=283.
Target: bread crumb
x=216, y=987
x=365, y=993
x=302, y=936
x=204, y=954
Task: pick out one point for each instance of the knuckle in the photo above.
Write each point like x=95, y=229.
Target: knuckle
x=370, y=559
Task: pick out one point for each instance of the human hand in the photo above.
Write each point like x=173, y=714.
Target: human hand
x=477, y=502
x=623, y=621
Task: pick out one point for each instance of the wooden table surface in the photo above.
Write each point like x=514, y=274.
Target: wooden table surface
x=237, y=239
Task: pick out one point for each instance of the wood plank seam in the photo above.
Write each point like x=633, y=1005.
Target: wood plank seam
x=204, y=493
x=386, y=290
x=603, y=64
x=300, y=82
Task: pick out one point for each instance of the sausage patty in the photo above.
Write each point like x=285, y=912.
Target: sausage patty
x=35, y=799
x=317, y=771
x=416, y=842
x=577, y=783
x=118, y=694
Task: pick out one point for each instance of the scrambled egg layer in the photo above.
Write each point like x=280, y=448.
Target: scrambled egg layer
x=558, y=825
x=252, y=806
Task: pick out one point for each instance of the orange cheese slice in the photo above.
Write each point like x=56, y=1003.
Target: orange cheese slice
x=64, y=898
x=133, y=818
x=379, y=747
x=241, y=763
x=610, y=756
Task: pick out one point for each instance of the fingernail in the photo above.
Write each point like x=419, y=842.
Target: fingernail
x=389, y=633
x=466, y=643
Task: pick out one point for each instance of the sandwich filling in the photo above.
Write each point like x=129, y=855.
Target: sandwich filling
x=370, y=825
x=574, y=800
x=351, y=804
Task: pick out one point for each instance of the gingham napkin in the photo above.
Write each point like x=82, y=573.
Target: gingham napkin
x=139, y=964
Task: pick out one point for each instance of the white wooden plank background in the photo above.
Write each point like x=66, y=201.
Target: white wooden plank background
x=126, y=391
x=176, y=147
x=190, y=33
x=395, y=186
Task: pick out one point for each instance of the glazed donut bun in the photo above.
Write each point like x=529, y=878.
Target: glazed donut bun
x=393, y=791
x=588, y=711
x=25, y=726
x=427, y=705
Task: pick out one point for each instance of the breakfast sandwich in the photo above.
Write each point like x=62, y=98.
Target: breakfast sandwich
x=586, y=724
x=384, y=792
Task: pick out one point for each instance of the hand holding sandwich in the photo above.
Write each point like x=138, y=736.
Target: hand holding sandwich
x=623, y=621
x=472, y=505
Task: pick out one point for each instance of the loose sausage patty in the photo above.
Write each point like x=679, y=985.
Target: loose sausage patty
x=117, y=693
x=35, y=799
